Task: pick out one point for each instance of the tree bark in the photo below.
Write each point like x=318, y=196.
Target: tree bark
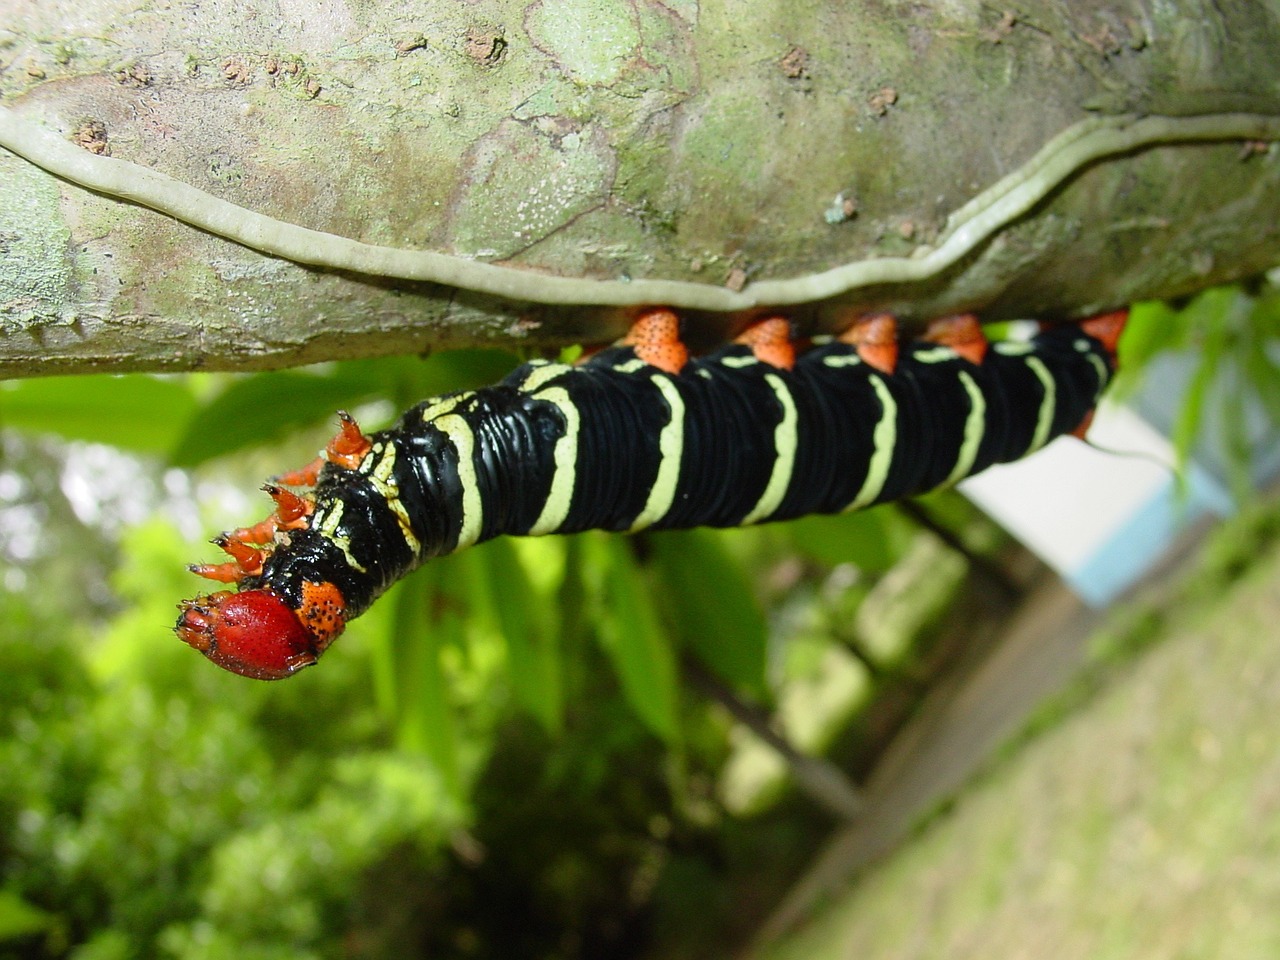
x=722, y=145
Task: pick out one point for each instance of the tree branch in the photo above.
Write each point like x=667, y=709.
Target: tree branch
x=359, y=195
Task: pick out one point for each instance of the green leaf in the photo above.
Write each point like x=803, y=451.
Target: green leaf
x=456, y=370
x=1186, y=426
x=19, y=918
x=1235, y=441
x=384, y=656
x=135, y=412
x=423, y=627
x=1151, y=328
x=629, y=630
x=267, y=406
x=872, y=540
x=524, y=616
x=709, y=604
x=264, y=407
x=1213, y=308
x=1263, y=375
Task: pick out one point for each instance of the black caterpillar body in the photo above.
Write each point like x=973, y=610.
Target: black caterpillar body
x=618, y=444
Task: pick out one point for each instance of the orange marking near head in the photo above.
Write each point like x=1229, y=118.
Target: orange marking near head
x=770, y=341
x=875, y=337
x=655, y=337
x=962, y=333
x=350, y=445
x=1106, y=328
x=322, y=612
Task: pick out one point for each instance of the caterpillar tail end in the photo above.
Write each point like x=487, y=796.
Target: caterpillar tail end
x=1106, y=328
x=253, y=633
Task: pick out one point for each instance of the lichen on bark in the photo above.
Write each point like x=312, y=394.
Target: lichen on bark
x=701, y=142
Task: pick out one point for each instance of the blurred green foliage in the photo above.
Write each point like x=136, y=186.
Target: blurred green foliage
x=153, y=810
x=1229, y=339
x=500, y=759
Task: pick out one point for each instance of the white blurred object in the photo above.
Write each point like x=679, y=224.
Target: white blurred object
x=1102, y=518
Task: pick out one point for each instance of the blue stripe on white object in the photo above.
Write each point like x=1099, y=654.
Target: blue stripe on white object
x=1102, y=520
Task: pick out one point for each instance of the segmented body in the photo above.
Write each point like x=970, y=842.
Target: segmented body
x=744, y=435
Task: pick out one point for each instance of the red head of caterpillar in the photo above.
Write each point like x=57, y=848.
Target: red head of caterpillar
x=256, y=634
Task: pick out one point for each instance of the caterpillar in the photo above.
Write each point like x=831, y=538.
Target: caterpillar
x=639, y=436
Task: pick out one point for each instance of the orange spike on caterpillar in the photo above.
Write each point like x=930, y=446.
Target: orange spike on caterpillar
x=875, y=337
x=349, y=445
x=246, y=561
x=655, y=337
x=247, y=557
x=347, y=449
x=290, y=514
x=771, y=341
x=291, y=509
x=1107, y=328
x=229, y=572
x=262, y=532
x=304, y=476
x=962, y=333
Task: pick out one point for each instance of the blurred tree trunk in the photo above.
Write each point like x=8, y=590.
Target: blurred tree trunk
x=714, y=142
